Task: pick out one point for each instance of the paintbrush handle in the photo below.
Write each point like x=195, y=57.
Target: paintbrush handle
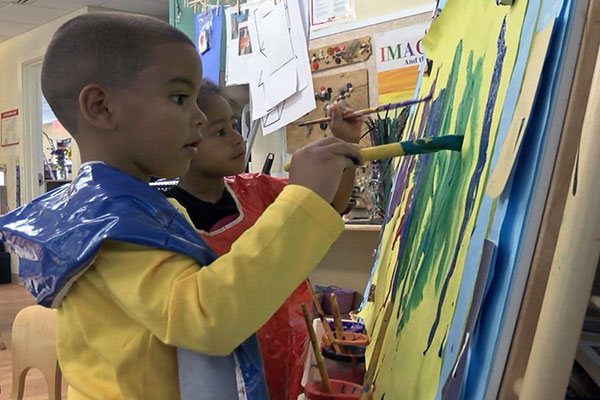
x=376, y=354
x=367, y=111
x=326, y=328
x=337, y=317
x=409, y=147
x=315, y=346
x=328, y=334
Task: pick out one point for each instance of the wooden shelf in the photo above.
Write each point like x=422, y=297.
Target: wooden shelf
x=362, y=227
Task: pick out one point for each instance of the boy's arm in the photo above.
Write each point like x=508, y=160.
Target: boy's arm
x=348, y=130
x=213, y=309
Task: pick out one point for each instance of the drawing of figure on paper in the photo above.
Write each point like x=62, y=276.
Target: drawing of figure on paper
x=245, y=47
x=237, y=19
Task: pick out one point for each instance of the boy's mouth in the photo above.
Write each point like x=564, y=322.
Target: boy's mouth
x=193, y=144
x=192, y=147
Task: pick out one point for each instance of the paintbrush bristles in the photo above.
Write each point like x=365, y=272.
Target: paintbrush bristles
x=315, y=346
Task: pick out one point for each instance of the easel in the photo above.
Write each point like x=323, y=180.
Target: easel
x=523, y=338
x=573, y=268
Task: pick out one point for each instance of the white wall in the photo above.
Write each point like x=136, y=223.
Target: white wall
x=14, y=52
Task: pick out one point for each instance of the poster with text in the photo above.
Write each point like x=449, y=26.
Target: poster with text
x=325, y=13
x=399, y=54
x=9, y=127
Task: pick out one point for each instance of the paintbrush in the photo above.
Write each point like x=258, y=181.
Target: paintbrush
x=315, y=346
x=376, y=354
x=328, y=334
x=337, y=317
x=408, y=147
x=367, y=111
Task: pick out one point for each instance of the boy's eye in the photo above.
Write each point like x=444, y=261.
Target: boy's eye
x=220, y=132
x=179, y=99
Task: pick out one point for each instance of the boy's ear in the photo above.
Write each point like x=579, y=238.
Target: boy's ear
x=94, y=104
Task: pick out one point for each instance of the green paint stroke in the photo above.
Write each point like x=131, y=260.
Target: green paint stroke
x=440, y=182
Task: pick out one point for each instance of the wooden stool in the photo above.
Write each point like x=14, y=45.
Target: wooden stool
x=33, y=345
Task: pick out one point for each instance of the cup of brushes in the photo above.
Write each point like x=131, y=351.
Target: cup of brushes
x=326, y=388
x=340, y=336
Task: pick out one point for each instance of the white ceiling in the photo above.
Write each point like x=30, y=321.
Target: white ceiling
x=18, y=16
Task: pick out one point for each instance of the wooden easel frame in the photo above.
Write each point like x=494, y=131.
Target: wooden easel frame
x=551, y=221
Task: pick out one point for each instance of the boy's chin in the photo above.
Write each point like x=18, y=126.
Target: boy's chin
x=174, y=171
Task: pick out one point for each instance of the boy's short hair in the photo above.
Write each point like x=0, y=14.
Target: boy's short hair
x=107, y=49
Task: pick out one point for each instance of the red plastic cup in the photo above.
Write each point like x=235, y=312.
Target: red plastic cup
x=340, y=390
x=347, y=366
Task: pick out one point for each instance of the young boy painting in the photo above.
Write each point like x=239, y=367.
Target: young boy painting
x=145, y=308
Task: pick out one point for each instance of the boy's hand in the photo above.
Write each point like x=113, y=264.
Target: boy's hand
x=345, y=129
x=319, y=165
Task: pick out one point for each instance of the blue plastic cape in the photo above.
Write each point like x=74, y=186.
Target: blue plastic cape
x=58, y=234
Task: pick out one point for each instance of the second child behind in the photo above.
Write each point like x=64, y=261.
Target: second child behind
x=223, y=203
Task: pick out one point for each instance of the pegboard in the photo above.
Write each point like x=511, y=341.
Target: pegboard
x=298, y=137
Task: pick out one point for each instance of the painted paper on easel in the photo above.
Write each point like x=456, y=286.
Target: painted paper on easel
x=436, y=197
x=399, y=54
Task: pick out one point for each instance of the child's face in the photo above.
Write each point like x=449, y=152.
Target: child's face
x=158, y=120
x=222, y=151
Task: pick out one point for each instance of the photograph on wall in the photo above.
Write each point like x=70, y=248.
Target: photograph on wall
x=245, y=47
x=236, y=20
x=238, y=46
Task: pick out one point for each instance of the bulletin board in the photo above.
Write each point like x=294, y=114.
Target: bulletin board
x=296, y=137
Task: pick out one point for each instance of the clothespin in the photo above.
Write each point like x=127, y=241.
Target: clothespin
x=238, y=6
x=436, y=10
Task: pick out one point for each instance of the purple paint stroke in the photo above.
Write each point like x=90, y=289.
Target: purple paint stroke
x=473, y=185
x=407, y=163
x=422, y=163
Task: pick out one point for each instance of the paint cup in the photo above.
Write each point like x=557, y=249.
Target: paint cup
x=340, y=390
x=347, y=366
x=351, y=339
x=349, y=326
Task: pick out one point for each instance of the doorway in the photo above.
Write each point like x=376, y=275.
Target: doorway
x=50, y=155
